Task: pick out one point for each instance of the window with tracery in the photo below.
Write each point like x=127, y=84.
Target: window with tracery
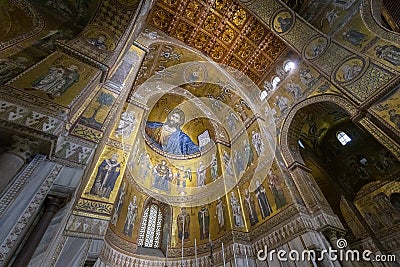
x=151, y=227
x=301, y=144
x=288, y=66
x=343, y=138
x=275, y=81
x=263, y=95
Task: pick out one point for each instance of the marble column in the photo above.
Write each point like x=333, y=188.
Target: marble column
x=308, y=189
x=13, y=160
x=341, y=245
x=51, y=206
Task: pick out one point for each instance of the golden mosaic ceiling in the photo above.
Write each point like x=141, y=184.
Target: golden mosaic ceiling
x=221, y=29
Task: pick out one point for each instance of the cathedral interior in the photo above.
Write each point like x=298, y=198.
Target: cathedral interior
x=199, y=132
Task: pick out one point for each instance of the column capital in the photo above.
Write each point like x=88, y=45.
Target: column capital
x=53, y=203
x=333, y=233
x=23, y=147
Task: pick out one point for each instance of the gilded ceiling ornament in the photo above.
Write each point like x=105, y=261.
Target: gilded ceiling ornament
x=245, y=50
x=228, y=35
x=161, y=19
x=217, y=52
x=234, y=62
x=200, y=40
x=183, y=31
x=256, y=32
x=171, y=3
x=221, y=5
x=239, y=17
x=261, y=63
x=192, y=10
x=253, y=77
x=211, y=23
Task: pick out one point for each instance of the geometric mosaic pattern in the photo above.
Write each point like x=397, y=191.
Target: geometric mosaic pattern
x=372, y=80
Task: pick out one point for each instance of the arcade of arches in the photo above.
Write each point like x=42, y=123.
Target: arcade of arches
x=198, y=133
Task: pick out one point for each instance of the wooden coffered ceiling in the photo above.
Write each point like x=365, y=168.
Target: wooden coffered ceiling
x=222, y=30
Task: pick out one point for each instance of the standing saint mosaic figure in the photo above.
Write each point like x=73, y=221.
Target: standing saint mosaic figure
x=251, y=208
x=201, y=175
x=131, y=217
x=162, y=176
x=220, y=214
x=214, y=168
x=107, y=174
x=57, y=80
x=262, y=200
x=183, y=222
x=237, y=211
x=120, y=202
x=204, y=222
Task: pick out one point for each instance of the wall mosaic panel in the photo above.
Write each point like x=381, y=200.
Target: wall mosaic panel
x=388, y=109
x=59, y=79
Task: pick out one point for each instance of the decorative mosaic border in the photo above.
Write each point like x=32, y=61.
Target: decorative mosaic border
x=38, y=23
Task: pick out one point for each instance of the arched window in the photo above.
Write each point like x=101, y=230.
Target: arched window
x=150, y=230
x=288, y=66
x=275, y=81
x=343, y=138
x=301, y=144
x=263, y=95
